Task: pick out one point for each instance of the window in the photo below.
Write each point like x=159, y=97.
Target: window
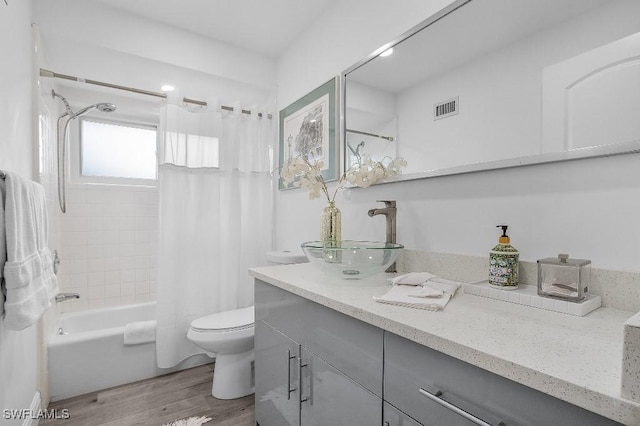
x=111, y=149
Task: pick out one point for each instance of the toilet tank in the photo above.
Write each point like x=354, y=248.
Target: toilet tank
x=282, y=257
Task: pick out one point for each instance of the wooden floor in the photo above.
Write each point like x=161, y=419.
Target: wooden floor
x=155, y=402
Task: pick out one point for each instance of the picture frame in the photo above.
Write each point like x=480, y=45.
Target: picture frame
x=309, y=128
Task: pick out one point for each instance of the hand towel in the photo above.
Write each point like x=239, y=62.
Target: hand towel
x=30, y=283
x=401, y=295
x=420, y=290
x=412, y=278
x=136, y=333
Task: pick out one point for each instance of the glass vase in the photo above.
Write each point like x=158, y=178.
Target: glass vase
x=331, y=225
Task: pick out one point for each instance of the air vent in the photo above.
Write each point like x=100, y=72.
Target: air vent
x=446, y=108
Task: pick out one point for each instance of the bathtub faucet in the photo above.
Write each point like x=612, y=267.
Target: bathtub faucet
x=61, y=297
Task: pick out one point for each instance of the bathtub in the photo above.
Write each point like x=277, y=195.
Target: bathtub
x=91, y=355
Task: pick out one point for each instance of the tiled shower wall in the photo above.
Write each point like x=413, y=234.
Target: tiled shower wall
x=109, y=245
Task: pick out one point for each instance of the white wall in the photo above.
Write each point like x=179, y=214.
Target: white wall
x=587, y=208
x=90, y=40
x=18, y=350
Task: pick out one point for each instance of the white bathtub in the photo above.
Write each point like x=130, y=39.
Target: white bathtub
x=92, y=356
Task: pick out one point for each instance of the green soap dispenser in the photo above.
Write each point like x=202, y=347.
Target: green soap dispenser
x=503, y=263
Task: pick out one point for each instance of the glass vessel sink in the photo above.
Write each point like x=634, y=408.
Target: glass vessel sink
x=352, y=259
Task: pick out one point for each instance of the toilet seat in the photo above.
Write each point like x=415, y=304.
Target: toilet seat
x=227, y=321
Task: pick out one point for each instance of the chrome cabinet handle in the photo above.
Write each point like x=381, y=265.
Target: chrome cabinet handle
x=436, y=398
x=289, y=387
x=300, y=367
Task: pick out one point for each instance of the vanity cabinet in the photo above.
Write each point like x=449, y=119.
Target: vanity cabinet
x=314, y=366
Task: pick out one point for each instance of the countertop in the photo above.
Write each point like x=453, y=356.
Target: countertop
x=576, y=359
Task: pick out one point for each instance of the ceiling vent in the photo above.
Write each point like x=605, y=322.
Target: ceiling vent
x=446, y=108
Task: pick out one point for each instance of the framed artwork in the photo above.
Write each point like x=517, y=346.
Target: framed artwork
x=308, y=129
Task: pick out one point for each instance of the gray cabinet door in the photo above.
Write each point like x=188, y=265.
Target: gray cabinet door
x=276, y=373
x=395, y=417
x=331, y=398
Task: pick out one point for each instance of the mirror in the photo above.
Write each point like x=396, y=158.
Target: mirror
x=487, y=84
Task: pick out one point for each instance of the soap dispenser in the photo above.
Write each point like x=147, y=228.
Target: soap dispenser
x=503, y=263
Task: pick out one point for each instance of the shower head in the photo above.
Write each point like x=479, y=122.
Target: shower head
x=102, y=107
x=106, y=107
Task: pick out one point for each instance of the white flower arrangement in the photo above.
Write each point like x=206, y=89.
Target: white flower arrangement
x=305, y=174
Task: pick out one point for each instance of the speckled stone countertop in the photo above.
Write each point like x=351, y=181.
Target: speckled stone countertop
x=576, y=359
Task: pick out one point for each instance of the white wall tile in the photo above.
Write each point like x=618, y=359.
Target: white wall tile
x=96, y=292
x=78, y=280
x=71, y=223
x=112, y=277
x=74, y=238
x=72, y=253
x=141, y=198
x=143, y=261
x=95, y=265
x=95, y=237
x=127, y=237
x=112, y=264
x=109, y=246
x=95, y=251
x=95, y=279
x=111, y=250
x=95, y=223
x=142, y=287
x=75, y=266
x=128, y=276
x=127, y=263
x=76, y=196
x=94, y=196
x=142, y=275
x=127, y=250
x=112, y=291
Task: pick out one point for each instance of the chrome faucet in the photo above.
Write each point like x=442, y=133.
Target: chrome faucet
x=61, y=297
x=389, y=211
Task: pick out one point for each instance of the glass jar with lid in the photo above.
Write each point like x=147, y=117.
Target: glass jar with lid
x=564, y=278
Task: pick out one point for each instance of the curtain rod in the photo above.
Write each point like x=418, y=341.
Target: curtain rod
x=51, y=74
x=389, y=138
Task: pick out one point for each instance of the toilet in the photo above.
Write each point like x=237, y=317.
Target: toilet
x=229, y=335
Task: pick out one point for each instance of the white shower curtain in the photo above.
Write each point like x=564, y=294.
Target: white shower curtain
x=215, y=218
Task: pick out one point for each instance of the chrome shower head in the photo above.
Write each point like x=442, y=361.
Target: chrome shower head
x=106, y=107
x=102, y=107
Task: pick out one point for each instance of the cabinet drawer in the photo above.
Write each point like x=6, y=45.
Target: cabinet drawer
x=281, y=309
x=350, y=345
x=410, y=367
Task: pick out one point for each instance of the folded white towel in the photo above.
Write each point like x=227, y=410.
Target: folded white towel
x=420, y=290
x=413, y=278
x=426, y=291
x=136, y=333
x=403, y=295
x=30, y=283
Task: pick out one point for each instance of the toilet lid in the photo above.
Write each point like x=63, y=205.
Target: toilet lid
x=237, y=318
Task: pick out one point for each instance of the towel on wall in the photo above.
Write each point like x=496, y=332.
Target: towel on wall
x=29, y=281
x=136, y=333
x=420, y=290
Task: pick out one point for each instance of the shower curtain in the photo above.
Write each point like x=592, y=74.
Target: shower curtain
x=215, y=217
